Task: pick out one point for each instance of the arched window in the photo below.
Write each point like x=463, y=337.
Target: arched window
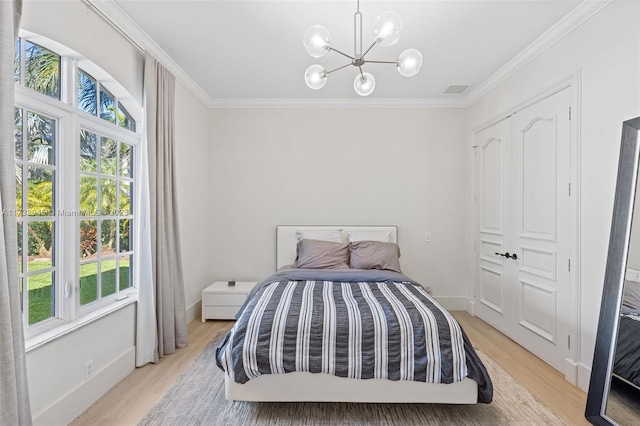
x=76, y=144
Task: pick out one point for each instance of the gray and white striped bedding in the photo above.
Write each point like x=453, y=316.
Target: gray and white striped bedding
x=360, y=325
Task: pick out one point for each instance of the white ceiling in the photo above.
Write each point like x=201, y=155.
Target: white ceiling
x=235, y=50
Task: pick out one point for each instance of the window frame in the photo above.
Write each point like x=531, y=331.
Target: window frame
x=69, y=314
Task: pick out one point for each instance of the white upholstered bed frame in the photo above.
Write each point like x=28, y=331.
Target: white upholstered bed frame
x=303, y=386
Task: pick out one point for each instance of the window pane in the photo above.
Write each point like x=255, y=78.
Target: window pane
x=126, y=160
x=124, y=266
x=88, y=152
x=108, y=237
x=41, y=297
x=124, y=199
x=18, y=190
x=40, y=192
x=17, y=132
x=88, y=239
x=108, y=194
x=88, y=283
x=124, y=119
x=108, y=152
x=41, y=134
x=40, y=243
x=108, y=274
x=107, y=106
x=16, y=61
x=125, y=233
x=87, y=93
x=42, y=70
x=88, y=196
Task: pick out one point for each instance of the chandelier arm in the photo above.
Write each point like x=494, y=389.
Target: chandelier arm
x=339, y=68
x=361, y=73
x=342, y=53
x=370, y=47
x=381, y=62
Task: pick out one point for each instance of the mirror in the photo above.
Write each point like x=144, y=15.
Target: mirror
x=614, y=389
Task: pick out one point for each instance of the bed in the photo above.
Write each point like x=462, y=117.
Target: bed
x=626, y=365
x=327, y=328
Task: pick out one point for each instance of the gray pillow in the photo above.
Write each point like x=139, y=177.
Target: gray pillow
x=631, y=299
x=375, y=255
x=316, y=254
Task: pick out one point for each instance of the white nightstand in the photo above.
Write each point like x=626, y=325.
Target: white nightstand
x=222, y=301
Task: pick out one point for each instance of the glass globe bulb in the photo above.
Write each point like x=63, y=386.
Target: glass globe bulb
x=409, y=62
x=387, y=28
x=364, y=84
x=317, y=41
x=315, y=76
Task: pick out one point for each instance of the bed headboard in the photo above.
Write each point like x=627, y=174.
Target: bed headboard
x=286, y=240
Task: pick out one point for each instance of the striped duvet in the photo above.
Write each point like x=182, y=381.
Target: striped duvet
x=360, y=329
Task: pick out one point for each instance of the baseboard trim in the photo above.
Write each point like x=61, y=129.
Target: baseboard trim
x=584, y=376
x=453, y=303
x=571, y=372
x=194, y=311
x=471, y=307
x=72, y=404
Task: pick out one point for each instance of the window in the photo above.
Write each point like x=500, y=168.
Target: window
x=106, y=217
x=76, y=150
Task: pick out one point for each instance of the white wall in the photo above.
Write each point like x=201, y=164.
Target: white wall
x=193, y=168
x=340, y=166
x=56, y=371
x=607, y=51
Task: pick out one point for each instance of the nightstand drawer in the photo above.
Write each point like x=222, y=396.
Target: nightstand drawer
x=220, y=312
x=225, y=299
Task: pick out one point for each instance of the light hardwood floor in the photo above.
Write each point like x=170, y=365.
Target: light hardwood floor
x=129, y=401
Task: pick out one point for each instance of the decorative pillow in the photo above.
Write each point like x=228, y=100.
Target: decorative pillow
x=374, y=255
x=315, y=254
x=334, y=235
x=370, y=235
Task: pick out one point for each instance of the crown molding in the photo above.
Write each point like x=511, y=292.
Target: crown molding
x=578, y=16
x=337, y=103
x=115, y=16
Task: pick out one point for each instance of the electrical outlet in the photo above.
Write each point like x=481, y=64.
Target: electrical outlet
x=88, y=369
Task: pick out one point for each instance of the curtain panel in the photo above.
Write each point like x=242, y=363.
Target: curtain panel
x=15, y=408
x=166, y=257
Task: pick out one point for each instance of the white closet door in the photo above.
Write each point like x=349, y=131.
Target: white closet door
x=528, y=191
x=494, y=223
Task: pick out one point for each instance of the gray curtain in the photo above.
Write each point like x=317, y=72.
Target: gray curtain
x=166, y=258
x=15, y=408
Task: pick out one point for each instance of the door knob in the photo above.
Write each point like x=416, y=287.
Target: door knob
x=508, y=256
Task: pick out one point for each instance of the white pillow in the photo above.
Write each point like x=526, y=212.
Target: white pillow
x=383, y=235
x=334, y=235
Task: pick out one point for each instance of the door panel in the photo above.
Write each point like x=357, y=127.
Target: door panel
x=491, y=289
x=538, y=310
x=538, y=143
x=542, y=212
x=492, y=187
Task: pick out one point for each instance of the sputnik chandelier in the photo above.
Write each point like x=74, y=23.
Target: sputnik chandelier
x=386, y=32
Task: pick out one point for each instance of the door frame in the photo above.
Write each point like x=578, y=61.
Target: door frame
x=574, y=83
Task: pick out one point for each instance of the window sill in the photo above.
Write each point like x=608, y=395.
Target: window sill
x=48, y=336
